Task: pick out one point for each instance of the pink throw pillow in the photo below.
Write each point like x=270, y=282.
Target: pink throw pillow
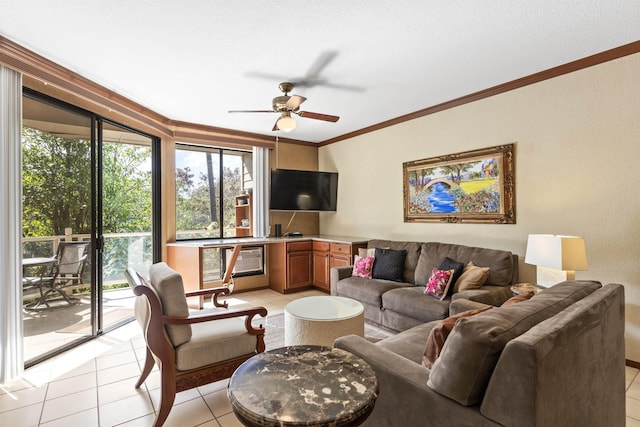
x=439, y=283
x=362, y=266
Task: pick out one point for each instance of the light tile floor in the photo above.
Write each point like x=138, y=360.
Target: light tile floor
x=93, y=385
x=632, y=377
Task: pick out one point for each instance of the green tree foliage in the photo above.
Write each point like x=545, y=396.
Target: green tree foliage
x=56, y=174
x=126, y=188
x=192, y=201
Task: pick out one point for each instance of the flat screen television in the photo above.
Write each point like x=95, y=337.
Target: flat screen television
x=297, y=190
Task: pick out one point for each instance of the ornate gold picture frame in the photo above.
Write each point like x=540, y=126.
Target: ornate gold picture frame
x=471, y=187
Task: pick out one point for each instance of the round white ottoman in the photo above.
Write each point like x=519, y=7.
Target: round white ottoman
x=320, y=320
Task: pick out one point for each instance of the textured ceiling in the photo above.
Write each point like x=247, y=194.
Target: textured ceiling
x=365, y=61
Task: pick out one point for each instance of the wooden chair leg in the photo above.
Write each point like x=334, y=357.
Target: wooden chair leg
x=148, y=366
x=167, y=396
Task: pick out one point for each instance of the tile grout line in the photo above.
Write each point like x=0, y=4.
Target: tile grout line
x=44, y=401
x=95, y=364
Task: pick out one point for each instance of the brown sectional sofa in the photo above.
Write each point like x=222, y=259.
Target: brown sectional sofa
x=398, y=306
x=554, y=360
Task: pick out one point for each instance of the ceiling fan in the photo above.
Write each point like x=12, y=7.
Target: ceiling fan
x=313, y=76
x=286, y=105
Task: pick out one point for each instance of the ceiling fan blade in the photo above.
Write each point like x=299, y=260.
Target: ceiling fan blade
x=266, y=76
x=295, y=101
x=251, y=111
x=320, y=64
x=318, y=116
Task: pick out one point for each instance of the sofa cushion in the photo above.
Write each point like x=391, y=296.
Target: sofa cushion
x=472, y=277
x=410, y=343
x=362, y=266
x=413, y=302
x=410, y=262
x=168, y=284
x=368, y=291
x=389, y=264
x=439, y=283
x=471, y=352
x=439, y=333
x=500, y=262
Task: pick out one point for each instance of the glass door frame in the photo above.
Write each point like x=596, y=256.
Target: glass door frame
x=96, y=217
x=156, y=219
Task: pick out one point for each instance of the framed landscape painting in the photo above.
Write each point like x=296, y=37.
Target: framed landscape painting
x=471, y=187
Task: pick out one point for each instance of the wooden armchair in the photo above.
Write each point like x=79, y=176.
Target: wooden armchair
x=190, y=349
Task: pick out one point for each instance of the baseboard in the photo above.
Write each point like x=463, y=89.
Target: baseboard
x=632, y=363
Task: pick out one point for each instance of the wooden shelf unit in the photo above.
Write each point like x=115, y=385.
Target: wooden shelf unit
x=243, y=211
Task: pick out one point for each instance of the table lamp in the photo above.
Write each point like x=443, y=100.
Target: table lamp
x=557, y=257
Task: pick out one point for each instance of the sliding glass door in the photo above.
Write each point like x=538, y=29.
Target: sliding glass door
x=88, y=214
x=58, y=208
x=126, y=217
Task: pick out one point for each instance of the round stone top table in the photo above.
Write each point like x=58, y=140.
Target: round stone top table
x=321, y=319
x=303, y=386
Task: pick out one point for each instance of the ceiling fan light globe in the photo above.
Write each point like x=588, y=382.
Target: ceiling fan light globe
x=286, y=124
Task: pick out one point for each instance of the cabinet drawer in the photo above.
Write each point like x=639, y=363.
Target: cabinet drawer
x=341, y=248
x=299, y=246
x=320, y=246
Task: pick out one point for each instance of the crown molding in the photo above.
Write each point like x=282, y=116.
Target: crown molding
x=41, y=69
x=570, y=67
x=45, y=72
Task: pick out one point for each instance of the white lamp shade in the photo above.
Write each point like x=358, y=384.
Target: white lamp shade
x=557, y=252
x=286, y=123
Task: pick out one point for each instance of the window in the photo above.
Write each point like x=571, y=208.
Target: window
x=207, y=182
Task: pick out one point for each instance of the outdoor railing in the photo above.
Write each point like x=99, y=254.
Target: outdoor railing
x=121, y=251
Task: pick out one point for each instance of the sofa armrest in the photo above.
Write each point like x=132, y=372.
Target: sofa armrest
x=339, y=273
x=492, y=295
x=459, y=305
x=405, y=399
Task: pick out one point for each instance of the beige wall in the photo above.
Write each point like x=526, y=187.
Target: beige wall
x=577, y=155
x=302, y=157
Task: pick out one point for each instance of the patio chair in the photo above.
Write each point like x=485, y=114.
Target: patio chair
x=191, y=349
x=65, y=270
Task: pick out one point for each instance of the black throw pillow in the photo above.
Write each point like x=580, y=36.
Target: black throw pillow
x=457, y=267
x=389, y=264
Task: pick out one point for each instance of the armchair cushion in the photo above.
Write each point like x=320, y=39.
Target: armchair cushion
x=213, y=342
x=168, y=284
